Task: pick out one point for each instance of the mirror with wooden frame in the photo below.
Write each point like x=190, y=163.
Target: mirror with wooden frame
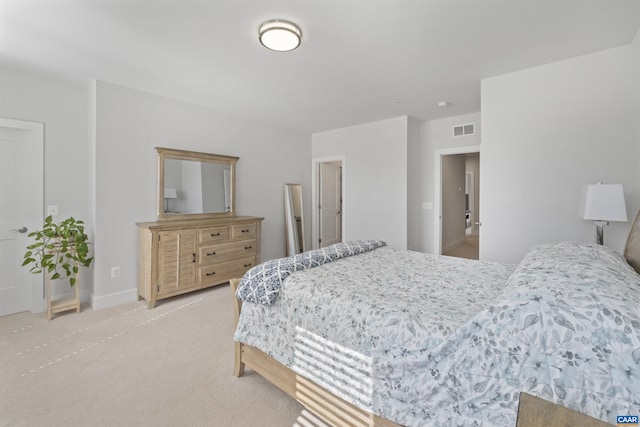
x=195, y=185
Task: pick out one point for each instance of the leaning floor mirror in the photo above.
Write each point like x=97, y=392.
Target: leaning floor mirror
x=294, y=222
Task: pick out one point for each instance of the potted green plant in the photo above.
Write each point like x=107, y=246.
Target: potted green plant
x=59, y=249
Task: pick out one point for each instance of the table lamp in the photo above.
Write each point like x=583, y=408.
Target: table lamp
x=602, y=203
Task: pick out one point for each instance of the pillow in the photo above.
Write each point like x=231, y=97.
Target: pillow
x=632, y=248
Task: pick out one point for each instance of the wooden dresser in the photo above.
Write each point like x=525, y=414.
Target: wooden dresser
x=175, y=257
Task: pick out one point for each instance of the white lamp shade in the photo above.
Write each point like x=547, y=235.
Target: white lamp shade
x=170, y=193
x=603, y=202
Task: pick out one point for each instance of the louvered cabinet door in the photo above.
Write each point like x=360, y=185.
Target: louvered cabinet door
x=177, y=261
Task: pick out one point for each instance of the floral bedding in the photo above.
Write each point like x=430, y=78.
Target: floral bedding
x=430, y=340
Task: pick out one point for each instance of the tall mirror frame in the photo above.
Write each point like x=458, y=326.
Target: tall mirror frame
x=294, y=219
x=165, y=154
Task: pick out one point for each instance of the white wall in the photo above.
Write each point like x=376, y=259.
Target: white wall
x=437, y=135
x=62, y=104
x=548, y=131
x=131, y=123
x=559, y=126
x=376, y=177
x=100, y=163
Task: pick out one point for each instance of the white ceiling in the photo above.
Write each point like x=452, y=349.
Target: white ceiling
x=359, y=61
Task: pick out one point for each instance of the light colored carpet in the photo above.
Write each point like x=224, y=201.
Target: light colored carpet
x=130, y=366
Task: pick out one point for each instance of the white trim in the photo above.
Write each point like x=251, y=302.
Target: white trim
x=111, y=300
x=437, y=191
x=315, y=167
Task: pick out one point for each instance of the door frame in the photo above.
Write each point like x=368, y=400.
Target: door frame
x=315, y=196
x=437, y=190
x=37, y=280
x=472, y=199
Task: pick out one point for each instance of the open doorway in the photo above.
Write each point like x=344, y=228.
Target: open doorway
x=329, y=197
x=457, y=195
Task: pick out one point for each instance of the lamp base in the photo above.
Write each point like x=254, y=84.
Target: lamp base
x=600, y=231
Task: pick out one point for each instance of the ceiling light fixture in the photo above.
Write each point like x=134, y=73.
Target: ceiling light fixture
x=280, y=35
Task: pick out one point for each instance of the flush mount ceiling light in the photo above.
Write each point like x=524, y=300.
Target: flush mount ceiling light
x=280, y=35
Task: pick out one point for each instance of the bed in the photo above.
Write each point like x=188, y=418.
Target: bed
x=364, y=334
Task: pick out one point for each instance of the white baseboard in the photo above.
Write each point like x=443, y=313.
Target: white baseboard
x=113, y=299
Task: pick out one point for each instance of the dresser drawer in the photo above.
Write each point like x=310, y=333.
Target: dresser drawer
x=226, y=252
x=243, y=231
x=224, y=271
x=213, y=235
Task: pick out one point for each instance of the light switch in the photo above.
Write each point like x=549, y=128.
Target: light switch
x=427, y=206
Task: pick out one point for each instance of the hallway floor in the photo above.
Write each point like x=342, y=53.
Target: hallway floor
x=467, y=249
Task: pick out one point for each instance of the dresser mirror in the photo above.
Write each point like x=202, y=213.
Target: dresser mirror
x=195, y=185
x=294, y=219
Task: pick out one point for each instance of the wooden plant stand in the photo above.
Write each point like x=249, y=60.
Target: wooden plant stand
x=61, y=305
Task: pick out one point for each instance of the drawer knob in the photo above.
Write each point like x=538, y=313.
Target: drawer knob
x=215, y=235
x=211, y=274
x=246, y=230
x=210, y=253
x=248, y=247
x=248, y=265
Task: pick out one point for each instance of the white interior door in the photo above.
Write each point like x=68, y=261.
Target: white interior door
x=21, y=208
x=330, y=204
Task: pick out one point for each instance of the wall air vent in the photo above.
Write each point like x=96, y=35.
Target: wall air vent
x=462, y=130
